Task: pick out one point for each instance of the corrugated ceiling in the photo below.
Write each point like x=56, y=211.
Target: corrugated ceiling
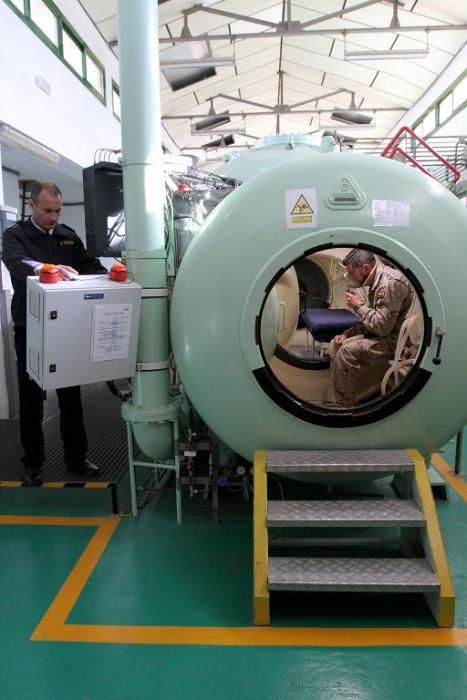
x=277, y=70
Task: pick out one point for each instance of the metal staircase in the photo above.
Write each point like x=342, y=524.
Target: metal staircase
x=421, y=565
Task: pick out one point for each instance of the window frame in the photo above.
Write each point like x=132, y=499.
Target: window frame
x=63, y=24
x=436, y=106
x=116, y=89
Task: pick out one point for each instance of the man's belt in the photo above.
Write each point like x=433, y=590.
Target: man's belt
x=370, y=334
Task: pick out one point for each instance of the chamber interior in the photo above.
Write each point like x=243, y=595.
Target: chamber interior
x=314, y=287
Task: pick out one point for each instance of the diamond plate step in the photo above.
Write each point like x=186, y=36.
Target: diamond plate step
x=297, y=461
x=371, y=513
x=337, y=574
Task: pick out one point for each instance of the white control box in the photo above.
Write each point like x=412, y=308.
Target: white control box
x=81, y=331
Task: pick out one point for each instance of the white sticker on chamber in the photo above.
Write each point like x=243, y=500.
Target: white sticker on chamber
x=390, y=212
x=301, y=208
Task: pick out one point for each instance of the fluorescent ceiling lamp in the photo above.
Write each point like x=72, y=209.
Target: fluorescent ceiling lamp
x=198, y=62
x=219, y=143
x=219, y=132
x=346, y=116
x=212, y=121
x=385, y=55
x=10, y=135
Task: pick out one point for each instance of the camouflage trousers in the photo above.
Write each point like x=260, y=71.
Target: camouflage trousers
x=347, y=364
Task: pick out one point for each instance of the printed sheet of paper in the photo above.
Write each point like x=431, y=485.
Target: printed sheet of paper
x=390, y=212
x=111, y=324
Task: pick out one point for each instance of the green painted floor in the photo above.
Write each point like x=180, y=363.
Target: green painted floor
x=154, y=572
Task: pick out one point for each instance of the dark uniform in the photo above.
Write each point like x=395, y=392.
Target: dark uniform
x=390, y=297
x=24, y=244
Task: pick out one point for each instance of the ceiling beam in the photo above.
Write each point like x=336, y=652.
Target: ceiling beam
x=287, y=110
x=283, y=32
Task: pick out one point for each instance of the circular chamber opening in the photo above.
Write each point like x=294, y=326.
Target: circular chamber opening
x=316, y=373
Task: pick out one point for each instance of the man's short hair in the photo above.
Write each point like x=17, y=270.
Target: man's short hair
x=358, y=257
x=49, y=187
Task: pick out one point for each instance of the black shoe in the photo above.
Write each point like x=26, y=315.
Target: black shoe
x=32, y=476
x=85, y=467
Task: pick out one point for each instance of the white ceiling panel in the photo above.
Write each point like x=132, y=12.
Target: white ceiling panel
x=310, y=64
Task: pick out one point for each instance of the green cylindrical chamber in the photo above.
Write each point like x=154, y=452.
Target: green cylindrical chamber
x=258, y=232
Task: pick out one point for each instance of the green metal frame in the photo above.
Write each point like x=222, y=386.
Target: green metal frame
x=156, y=467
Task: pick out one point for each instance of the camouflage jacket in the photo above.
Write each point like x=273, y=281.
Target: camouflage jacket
x=390, y=296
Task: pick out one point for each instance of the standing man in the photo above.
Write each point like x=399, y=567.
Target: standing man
x=26, y=246
x=390, y=296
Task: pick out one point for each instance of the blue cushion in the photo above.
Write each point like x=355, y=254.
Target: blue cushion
x=324, y=324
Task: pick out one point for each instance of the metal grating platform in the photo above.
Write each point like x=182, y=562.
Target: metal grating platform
x=106, y=435
x=349, y=574
x=371, y=513
x=297, y=461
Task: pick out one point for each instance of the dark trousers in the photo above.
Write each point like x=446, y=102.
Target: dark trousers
x=31, y=413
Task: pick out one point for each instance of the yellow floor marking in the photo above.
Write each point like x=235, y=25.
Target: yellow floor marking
x=442, y=604
x=53, y=625
x=259, y=636
x=457, y=482
x=52, y=520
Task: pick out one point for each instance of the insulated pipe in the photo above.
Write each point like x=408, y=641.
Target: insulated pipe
x=144, y=194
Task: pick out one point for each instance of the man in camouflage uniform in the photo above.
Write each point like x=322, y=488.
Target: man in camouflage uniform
x=390, y=296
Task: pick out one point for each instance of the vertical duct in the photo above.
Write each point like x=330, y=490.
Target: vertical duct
x=144, y=193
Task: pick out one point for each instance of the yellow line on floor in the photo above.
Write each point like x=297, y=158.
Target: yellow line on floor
x=258, y=636
x=69, y=593
x=446, y=471
x=52, y=627
x=51, y=520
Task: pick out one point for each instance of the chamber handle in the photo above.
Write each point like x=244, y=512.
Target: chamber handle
x=439, y=333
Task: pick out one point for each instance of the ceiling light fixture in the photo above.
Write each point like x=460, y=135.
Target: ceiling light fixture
x=223, y=142
x=212, y=121
x=205, y=62
x=219, y=132
x=26, y=143
x=386, y=55
x=352, y=115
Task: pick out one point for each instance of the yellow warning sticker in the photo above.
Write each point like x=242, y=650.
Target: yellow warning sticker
x=301, y=207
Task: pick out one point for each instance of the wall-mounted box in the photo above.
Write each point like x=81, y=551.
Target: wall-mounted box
x=81, y=331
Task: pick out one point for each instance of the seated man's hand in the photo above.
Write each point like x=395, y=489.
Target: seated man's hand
x=66, y=272
x=338, y=340
x=353, y=300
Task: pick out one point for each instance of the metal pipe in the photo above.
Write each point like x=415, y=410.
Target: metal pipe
x=144, y=196
x=274, y=110
x=281, y=32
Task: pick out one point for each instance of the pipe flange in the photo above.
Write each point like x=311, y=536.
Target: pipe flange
x=143, y=414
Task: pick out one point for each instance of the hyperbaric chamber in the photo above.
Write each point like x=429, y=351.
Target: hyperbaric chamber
x=226, y=314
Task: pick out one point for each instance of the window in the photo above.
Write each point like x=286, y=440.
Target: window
x=453, y=100
x=429, y=122
x=45, y=19
x=72, y=52
x=459, y=95
x=445, y=108
x=116, y=100
x=48, y=23
x=94, y=75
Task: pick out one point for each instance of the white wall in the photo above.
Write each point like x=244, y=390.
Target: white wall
x=69, y=120
x=457, y=126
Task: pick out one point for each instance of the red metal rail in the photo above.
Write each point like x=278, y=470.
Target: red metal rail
x=394, y=148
